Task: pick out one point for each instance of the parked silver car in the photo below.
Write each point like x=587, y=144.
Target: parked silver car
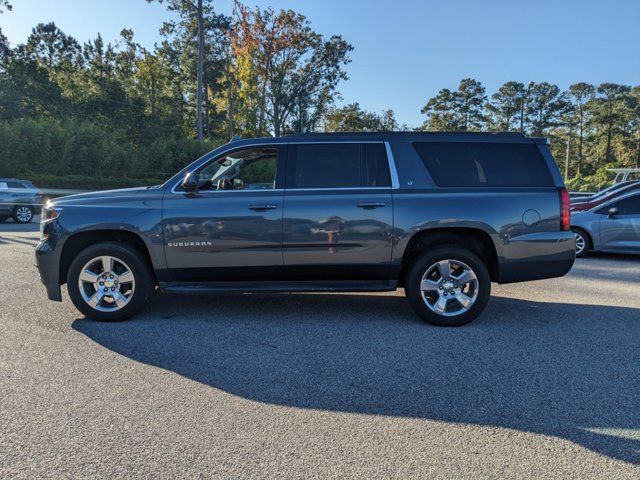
x=19, y=199
x=611, y=227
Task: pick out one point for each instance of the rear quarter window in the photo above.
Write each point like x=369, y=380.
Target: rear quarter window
x=480, y=164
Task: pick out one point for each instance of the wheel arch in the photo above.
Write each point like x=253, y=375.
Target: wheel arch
x=587, y=235
x=474, y=239
x=81, y=240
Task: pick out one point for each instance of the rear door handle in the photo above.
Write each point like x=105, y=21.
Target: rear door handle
x=371, y=205
x=262, y=208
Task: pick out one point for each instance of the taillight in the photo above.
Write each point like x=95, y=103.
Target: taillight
x=565, y=209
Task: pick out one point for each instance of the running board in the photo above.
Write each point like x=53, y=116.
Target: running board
x=291, y=286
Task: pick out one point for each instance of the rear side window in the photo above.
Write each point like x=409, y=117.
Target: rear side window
x=338, y=165
x=475, y=164
x=15, y=185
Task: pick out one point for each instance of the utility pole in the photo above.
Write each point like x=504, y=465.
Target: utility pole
x=525, y=95
x=200, y=72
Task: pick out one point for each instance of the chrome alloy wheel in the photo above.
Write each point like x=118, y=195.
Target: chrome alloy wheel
x=581, y=243
x=449, y=287
x=106, y=283
x=24, y=214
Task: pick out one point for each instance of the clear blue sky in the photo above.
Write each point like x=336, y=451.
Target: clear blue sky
x=406, y=50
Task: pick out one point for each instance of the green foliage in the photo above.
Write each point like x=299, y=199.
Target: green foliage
x=461, y=110
x=74, y=151
x=113, y=111
x=591, y=183
x=352, y=118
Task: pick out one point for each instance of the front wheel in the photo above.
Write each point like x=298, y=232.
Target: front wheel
x=110, y=281
x=23, y=214
x=448, y=286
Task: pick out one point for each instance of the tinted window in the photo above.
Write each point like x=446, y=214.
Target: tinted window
x=338, y=165
x=375, y=166
x=474, y=164
x=15, y=185
x=628, y=206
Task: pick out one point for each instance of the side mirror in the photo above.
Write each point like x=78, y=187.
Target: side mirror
x=613, y=211
x=190, y=182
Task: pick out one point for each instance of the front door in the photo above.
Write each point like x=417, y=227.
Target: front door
x=621, y=232
x=231, y=228
x=338, y=212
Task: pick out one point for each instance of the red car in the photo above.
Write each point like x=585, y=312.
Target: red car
x=604, y=196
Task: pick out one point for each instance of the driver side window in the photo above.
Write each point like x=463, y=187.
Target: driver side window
x=247, y=169
x=629, y=206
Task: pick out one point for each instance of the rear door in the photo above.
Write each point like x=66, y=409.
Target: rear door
x=621, y=232
x=338, y=212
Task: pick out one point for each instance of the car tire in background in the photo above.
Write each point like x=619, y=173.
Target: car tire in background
x=448, y=286
x=110, y=281
x=22, y=214
x=583, y=242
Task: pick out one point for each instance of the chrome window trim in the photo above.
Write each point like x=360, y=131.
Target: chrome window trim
x=328, y=189
x=395, y=184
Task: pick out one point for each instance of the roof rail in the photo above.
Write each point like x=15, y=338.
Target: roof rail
x=409, y=132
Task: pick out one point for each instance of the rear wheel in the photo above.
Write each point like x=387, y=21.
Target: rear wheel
x=23, y=214
x=448, y=286
x=109, y=281
x=583, y=242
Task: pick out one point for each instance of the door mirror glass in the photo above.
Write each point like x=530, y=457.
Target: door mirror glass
x=613, y=211
x=190, y=181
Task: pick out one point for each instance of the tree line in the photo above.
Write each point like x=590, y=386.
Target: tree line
x=129, y=113
x=73, y=112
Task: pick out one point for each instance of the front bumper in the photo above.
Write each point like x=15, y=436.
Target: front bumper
x=536, y=256
x=48, y=263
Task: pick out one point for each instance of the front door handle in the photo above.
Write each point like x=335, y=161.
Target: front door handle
x=371, y=205
x=262, y=208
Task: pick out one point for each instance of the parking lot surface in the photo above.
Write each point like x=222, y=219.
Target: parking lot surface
x=546, y=383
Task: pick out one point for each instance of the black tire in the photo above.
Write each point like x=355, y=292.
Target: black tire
x=3, y=219
x=23, y=214
x=423, y=263
x=143, y=277
x=578, y=232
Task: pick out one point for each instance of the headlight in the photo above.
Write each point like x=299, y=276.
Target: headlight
x=49, y=214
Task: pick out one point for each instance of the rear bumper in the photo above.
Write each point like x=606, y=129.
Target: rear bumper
x=536, y=256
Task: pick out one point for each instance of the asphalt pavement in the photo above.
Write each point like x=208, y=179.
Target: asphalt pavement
x=545, y=384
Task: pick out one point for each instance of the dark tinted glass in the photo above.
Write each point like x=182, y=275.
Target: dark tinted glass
x=474, y=164
x=338, y=165
x=375, y=166
x=628, y=206
x=15, y=185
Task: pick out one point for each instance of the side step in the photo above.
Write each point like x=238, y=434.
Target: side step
x=288, y=286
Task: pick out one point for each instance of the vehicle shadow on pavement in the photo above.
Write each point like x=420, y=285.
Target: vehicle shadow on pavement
x=565, y=370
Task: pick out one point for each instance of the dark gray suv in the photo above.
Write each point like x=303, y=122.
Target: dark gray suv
x=442, y=215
